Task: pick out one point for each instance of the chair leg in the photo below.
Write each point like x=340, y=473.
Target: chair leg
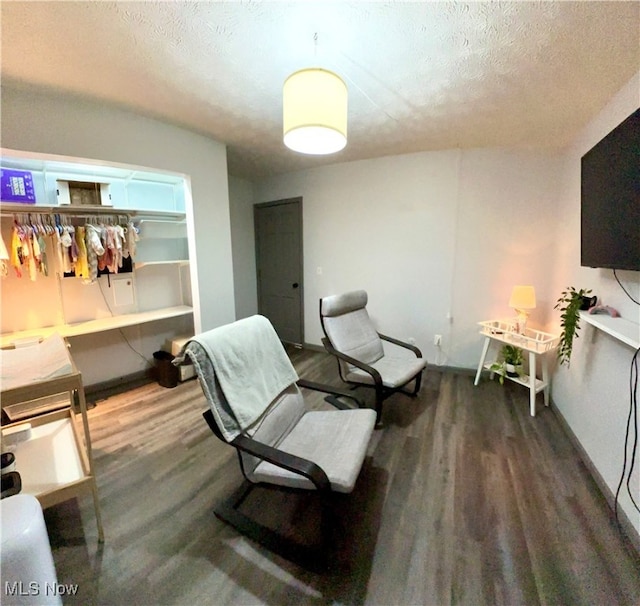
x=416, y=389
x=379, y=400
x=313, y=558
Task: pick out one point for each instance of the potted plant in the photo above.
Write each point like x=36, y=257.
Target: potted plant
x=570, y=303
x=509, y=362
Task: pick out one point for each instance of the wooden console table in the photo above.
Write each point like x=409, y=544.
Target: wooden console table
x=535, y=342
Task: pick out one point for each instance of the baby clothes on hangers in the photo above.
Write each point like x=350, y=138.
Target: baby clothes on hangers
x=132, y=238
x=44, y=268
x=82, y=264
x=4, y=259
x=16, y=251
x=94, y=250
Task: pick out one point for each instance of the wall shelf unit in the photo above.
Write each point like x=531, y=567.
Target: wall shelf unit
x=621, y=329
x=156, y=286
x=131, y=187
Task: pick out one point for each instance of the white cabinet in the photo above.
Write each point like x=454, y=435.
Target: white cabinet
x=83, y=193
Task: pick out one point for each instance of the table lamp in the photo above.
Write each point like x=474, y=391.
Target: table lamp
x=523, y=298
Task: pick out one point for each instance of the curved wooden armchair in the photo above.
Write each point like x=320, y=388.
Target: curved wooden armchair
x=256, y=406
x=351, y=337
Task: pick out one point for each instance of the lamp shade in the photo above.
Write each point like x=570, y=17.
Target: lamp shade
x=314, y=112
x=523, y=297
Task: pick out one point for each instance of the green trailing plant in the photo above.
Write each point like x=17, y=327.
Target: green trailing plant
x=569, y=304
x=509, y=355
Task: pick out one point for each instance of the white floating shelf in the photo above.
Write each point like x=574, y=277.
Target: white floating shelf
x=180, y=262
x=150, y=228
x=626, y=331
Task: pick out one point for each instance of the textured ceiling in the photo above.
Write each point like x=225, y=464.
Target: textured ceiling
x=421, y=75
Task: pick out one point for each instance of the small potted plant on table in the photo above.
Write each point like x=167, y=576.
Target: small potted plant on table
x=509, y=363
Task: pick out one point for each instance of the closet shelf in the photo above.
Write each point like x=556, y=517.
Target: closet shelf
x=83, y=167
x=180, y=262
x=624, y=330
x=99, y=325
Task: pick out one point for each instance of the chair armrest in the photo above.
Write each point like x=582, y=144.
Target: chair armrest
x=413, y=348
x=282, y=459
x=377, y=377
x=304, y=467
x=334, y=391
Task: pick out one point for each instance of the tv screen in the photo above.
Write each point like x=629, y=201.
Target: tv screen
x=610, y=199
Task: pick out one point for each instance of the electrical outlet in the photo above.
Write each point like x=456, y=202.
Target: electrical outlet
x=437, y=340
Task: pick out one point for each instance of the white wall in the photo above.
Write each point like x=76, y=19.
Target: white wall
x=453, y=231
x=241, y=199
x=427, y=234
x=593, y=394
x=50, y=123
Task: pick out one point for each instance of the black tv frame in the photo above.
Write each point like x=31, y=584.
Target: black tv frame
x=610, y=199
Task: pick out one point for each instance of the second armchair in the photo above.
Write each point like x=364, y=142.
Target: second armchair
x=351, y=337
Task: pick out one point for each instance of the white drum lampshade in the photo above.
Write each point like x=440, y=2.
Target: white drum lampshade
x=314, y=112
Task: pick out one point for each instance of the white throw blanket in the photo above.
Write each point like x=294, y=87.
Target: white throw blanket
x=250, y=365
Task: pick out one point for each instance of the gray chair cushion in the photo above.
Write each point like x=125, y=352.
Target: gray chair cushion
x=349, y=328
x=395, y=372
x=280, y=418
x=336, y=305
x=335, y=440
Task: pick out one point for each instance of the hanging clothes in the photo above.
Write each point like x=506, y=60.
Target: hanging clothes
x=44, y=267
x=16, y=251
x=4, y=259
x=95, y=249
x=82, y=263
x=132, y=232
x=77, y=250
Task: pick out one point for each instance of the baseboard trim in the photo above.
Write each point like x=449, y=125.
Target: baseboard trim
x=104, y=389
x=313, y=347
x=628, y=529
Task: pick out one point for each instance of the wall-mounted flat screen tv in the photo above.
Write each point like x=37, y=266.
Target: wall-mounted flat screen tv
x=610, y=199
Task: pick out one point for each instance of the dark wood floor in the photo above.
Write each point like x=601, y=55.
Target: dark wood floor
x=463, y=499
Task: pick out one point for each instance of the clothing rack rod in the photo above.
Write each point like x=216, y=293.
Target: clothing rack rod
x=8, y=209
x=51, y=213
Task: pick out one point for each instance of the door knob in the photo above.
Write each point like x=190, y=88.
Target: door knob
x=295, y=285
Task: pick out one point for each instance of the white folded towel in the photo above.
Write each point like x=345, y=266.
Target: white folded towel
x=250, y=365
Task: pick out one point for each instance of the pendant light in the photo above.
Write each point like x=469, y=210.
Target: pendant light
x=314, y=112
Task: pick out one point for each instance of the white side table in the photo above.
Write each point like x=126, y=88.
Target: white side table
x=535, y=342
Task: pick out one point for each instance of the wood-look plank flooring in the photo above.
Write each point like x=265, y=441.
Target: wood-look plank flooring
x=463, y=499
